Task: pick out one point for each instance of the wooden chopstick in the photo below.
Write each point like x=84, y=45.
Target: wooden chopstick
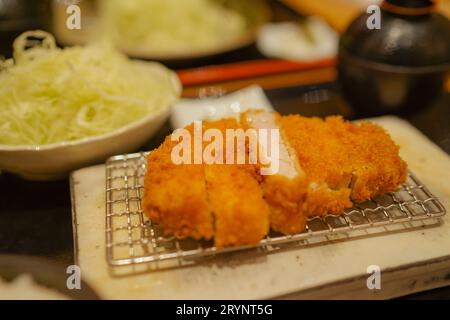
x=245, y=70
x=274, y=81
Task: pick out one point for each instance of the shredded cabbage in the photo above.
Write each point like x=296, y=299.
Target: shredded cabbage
x=170, y=25
x=50, y=95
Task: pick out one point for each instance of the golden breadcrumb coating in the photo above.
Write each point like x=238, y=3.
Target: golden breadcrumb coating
x=241, y=215
x=284, y=192
x=325, y=162
x=376, y=165
x=322, y=200
x=285, y=198
x=175, y=195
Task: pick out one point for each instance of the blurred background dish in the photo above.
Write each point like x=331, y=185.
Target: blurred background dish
x=340, y=13
x=166, y=30
x=310, y=40
x=187, y=111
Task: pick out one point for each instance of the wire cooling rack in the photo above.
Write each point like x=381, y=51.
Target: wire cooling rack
x=132, y=238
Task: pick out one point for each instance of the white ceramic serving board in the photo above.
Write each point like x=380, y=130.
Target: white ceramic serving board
x=410, y=261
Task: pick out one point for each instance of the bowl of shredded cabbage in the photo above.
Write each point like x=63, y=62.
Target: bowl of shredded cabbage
x=167, y=30
x=62, y=109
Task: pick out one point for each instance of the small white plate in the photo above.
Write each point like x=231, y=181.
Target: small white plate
x=187, y=111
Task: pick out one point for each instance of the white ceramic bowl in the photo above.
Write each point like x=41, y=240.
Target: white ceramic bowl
x=54, y=161
x=258, y=15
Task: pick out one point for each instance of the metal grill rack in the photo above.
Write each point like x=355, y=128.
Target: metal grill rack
x=132, y=239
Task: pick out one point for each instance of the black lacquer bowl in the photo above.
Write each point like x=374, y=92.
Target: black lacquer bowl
x=400, y=68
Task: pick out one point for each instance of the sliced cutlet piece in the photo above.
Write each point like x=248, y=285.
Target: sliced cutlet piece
x=323, y=158
x=240, y=213
x=175, y=195
x=285, y=190
x=376, y=165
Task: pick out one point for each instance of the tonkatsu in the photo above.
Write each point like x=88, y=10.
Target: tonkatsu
x=323, y=167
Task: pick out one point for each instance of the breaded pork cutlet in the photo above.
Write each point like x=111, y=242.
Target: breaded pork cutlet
x=324, y=165
x=241, y=215
x=285, y=190
x=324, y=159
x=175, y=195
x=376, y=165
x=203, y=201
